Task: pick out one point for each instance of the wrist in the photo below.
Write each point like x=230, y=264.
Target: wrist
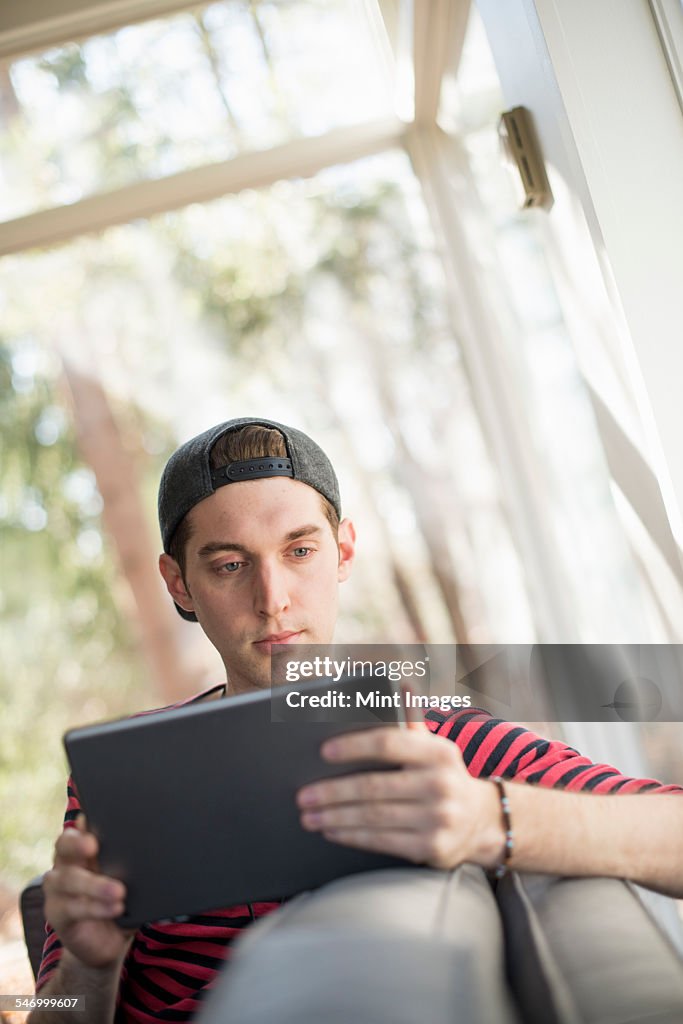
x=490, y=835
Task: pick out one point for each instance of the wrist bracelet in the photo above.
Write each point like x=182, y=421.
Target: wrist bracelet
x=501, y=868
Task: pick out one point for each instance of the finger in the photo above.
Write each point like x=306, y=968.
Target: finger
x=410, y=785
x=415, y=723
x=386, y=814
x=64, y=910
x=76, y=881
x=414, y=716
x=408, y=845
x=391, y=785
x=417, y=747
x=82, y=908
x=82, y=825
x=76, y=847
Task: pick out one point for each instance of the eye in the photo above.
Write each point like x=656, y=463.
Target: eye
x=229, y=567
x=301, y=552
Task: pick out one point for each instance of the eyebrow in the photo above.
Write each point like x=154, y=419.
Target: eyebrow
x=214, y=546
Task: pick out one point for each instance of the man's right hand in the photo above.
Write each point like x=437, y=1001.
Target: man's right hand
x=81, y=904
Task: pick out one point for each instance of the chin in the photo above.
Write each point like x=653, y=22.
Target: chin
x=250, y=678
x=247, y=684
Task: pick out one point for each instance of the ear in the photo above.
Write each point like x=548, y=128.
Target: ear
x=346, y=540
x=175, y=584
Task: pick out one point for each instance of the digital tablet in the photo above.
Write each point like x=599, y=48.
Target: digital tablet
x=194, y=807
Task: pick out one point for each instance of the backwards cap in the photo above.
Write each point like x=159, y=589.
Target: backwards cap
x=188, y=477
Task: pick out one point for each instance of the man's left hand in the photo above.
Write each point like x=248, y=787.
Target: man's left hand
x=430, y=811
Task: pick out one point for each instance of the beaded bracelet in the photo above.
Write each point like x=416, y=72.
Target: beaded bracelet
x=501, y=869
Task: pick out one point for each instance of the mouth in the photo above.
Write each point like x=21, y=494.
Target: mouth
x=266, y=644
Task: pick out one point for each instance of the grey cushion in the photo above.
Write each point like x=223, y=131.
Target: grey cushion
x=586, y=950
x=386, y=947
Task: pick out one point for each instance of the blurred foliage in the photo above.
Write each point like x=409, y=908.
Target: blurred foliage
x=241, y=291
x=362, y=239
x=68, y=657
x=68, y=66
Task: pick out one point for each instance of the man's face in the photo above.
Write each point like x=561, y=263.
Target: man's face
x=261, y=567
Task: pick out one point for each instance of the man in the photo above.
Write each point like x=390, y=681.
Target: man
x=254, y=550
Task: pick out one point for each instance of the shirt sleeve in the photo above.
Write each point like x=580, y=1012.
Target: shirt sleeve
x=52, y=948
x=491, y=746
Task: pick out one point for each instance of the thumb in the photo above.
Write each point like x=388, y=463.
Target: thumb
x=413, y=715
x=81, y=824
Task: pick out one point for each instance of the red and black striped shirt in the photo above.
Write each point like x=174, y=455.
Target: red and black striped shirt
x=170, y=965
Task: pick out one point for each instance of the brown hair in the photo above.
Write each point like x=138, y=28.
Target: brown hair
x=250, y=442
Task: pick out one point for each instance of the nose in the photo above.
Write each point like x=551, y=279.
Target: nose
x=271, y=591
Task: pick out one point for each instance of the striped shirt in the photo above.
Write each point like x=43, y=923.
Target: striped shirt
x=170, y=965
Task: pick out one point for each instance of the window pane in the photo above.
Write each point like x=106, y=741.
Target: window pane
x=171, y=94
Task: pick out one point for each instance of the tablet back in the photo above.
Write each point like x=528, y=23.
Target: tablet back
x=194, y=807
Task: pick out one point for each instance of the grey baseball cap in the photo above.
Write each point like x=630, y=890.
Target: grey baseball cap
x=188, y=476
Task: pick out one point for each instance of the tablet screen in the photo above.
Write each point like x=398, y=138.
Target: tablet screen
x=194, y=807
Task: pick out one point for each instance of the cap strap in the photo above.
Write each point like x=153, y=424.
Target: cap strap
x=251, y=469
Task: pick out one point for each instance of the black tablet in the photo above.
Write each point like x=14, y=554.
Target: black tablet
x=194, y=807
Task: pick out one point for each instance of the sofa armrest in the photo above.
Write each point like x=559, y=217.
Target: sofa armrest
x=586, y=951
x=33, y=920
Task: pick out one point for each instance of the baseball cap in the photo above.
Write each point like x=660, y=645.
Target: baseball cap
x=188, y=476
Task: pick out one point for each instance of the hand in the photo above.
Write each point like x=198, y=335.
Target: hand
x=431, y=812
x=81, y=904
